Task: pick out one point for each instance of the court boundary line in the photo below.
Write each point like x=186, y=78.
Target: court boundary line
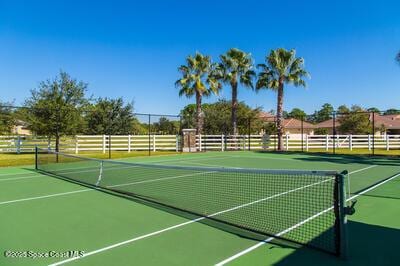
x=45, y=196
x=185, y=223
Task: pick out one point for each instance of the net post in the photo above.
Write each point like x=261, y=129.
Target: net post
x=341, y=219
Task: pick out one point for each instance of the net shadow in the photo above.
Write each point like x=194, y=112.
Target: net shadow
x=368, y=245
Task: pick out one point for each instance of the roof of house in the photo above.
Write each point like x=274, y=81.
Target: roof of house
x=287, y=122
x=388, y=121
x=327, y=124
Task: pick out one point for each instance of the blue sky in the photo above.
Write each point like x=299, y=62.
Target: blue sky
x=132, y=49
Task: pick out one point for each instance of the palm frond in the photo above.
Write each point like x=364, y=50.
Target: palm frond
x=281, y=64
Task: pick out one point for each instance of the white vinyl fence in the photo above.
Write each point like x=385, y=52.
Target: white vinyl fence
x=102, y=143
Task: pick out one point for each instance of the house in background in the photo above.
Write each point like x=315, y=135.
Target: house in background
x=21, y=128
x=390, y=124
x=292, y=126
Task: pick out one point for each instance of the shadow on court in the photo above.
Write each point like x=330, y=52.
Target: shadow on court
x=340, y=158
x=368, y=245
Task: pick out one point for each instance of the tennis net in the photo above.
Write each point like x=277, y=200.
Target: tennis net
x=304, y=207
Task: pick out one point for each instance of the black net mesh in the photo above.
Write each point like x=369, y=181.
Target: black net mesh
x=298, y=206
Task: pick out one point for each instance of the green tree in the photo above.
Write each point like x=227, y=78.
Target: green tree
x=165, y=126
x=391, y=112
x=281, y=67
x=323, y=114
x=110, y=116
x=198, y=80
x=373, y=109
x=343, y=109
x=357, y=121
x=217, y=114
x=236, y=68
x=7, y=118
x=139, y=128
x=55, y=107
x=297, y=113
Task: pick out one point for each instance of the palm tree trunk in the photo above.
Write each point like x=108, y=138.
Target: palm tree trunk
x=234, y=108
x=279, y=116
x=199, y=114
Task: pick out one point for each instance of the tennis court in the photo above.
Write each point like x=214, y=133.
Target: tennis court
x=199, y=209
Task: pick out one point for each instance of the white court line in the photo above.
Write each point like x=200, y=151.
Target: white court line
x=18, y=178
x=45, y=196
x=183, y=224
x=243, y=252
x=373, y=187
x=265, y=158
x=28, y=173
x=363, y=169
x=215, y=165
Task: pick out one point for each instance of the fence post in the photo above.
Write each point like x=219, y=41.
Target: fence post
x=337, y=141
x=351, y=142
x=129, y=143
x=369, y=142
x=104, y=143
x=327, y=142
x=200, y=142
x=307, y=142
x=18, y=144
x=287, y=141
x=177, y=143
x=76, y=145
x=387, y=142
x=154, y=142
x=222, y=142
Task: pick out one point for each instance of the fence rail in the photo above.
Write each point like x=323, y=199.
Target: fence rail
x=102, y=143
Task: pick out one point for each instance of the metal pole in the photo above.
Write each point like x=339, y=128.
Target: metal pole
x=110, y=125
x=149, y=134
x=340, y=210
x=334, y=133
x=36, y=157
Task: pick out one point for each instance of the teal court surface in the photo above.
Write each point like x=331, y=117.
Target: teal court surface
x=48, y=220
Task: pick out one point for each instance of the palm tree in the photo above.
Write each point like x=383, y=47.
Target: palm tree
x=198, y=79
x=282, y=67
x=236, y=67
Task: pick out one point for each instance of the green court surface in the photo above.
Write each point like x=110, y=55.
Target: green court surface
x=41, y=213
